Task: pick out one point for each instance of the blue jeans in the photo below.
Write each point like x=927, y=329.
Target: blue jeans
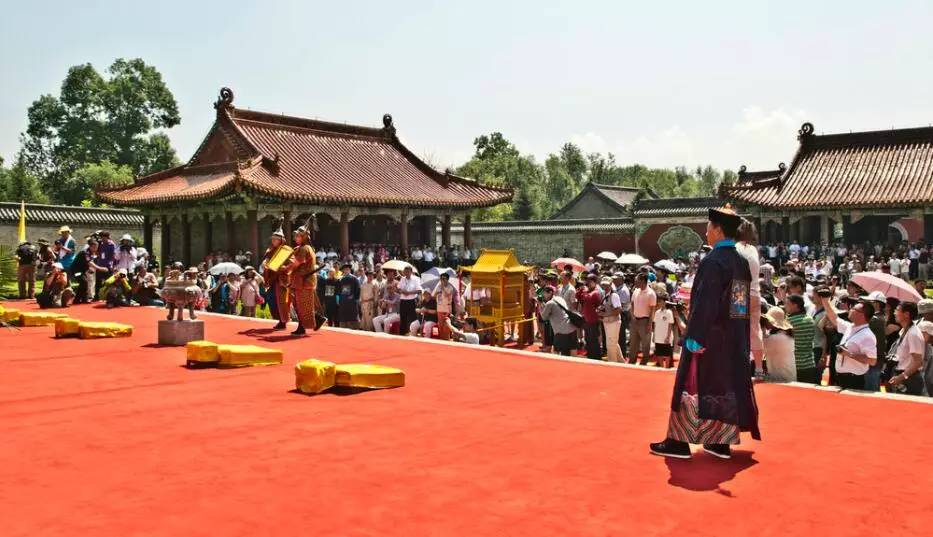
x=873, y=378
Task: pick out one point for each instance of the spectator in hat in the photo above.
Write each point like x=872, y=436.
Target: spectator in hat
x=609, y=310
x=126, y=254
x=389, y=305
x=26, y=257
x=779, y=346
x=65, y=247
x=554, y=311
x=106, y=256
x=448, y=298
x=56, y=292
x=925, y=308
x=116, y=290
x=625, y=297
x=348, y=305
x=249, y=293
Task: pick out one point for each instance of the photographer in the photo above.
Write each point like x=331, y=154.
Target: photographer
x=468, y=334
x=126, y=255
x=907, y=378
x=609, y=310
x=857, y=350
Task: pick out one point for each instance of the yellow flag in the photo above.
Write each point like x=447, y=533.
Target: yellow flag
x=22, y=221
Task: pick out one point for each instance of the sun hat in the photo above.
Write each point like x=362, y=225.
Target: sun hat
x=876, y=296
x=605, y=280
x=778, y=318
x=926, y=327
x=925, y=306
x=63, y=229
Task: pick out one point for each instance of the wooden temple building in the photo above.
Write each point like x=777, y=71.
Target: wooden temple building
x=255, y=168
x=856, y=187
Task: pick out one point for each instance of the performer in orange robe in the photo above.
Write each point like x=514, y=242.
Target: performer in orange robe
x=277, y=280
x=303, y=279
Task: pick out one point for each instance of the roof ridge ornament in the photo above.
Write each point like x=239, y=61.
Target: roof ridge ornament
x=225, y=99
x=387, y=125
x=805, y=131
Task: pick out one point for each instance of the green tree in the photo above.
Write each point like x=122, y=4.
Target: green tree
x=497, y=161
x=96, y=119
x=17, y=184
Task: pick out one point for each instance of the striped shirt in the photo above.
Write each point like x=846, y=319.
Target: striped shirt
x=804, y=330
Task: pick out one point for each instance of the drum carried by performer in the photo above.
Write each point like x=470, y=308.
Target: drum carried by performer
x=277, y=255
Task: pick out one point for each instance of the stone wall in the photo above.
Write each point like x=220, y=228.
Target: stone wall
x=538, y=246
x=34, y=232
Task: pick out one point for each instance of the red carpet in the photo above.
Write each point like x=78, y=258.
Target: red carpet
x=114, y=437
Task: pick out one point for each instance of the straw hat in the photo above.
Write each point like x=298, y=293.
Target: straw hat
x=64, y=229
x=778, y=318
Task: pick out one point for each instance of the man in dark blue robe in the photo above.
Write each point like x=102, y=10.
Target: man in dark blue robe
x=713, y=397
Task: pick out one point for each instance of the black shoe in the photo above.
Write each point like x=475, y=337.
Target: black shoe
x=671, y=448
x=279, y=326
x=723, y=451
x=300, y=331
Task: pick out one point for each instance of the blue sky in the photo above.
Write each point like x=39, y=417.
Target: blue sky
x=661, y=83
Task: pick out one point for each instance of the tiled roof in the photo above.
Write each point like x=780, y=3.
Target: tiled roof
x=619, y=197
x=864, y=169
x=66, y=214
x=575, y=225
x=656, y=208
x=308, y=160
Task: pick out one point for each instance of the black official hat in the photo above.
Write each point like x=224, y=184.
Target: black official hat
x=725, y=216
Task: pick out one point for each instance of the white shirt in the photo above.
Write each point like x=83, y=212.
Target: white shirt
x=410, y=287
x=779, y=351
x=642, y=302
x=895, y=265
x=625, y=297
x=911, y=343
x=663, y=323
x=428, y=255
x=416, y=254
x=750, y=253
x=126, y=260
x=905, y=266
x=471, y=338
x=859, y=340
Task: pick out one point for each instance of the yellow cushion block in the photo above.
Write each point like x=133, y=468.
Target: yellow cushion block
x=202, y=352
x=39, y=318
x=247, y=355
x=314, y=376
x=88, y=330
x=10, y=315
x=67, y=327
x=369, y=376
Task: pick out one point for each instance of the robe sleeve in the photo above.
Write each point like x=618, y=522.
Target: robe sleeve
x=707, y=299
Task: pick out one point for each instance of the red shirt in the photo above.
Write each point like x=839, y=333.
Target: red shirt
x=589, y=301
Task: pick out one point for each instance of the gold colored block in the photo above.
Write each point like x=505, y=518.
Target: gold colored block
x=10, y=315
x=369, y=376
x=247, y=355
x=202, y=352
x=314, y=376
x=88, y=330
x=67, y=327
x=39, y=318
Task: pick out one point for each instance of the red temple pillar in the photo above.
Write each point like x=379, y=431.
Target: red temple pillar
x=403, y=233
x=445, y=230
x=467, y=231
x=344, y=234
x=287, y=225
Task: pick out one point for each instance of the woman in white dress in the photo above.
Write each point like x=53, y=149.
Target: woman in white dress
x=747, y=247
x=779, y=346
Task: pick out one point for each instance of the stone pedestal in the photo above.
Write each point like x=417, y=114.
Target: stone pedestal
x=179, y=333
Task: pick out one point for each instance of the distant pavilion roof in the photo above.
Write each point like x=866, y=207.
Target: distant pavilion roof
x=305, y=160
x=891, y=168
x=619, y=197
x=675, y=207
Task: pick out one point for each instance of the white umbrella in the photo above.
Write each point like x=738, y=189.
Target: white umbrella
x=225, y=268
x=607, y=256
x=667, y=265
x=398, y=265
x=437, y=271
x=429, y=282
x=631, y=259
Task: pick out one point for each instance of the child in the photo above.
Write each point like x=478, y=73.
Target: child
x=663, y=333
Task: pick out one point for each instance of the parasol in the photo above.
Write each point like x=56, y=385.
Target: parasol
x=225, y=268
x=562, y=262
x=607, y=256
x=891, y=286
x=398, y=265
x=631, y=259
x=667, y=265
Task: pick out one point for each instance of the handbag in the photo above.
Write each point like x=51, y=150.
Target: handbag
x=575, y=318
